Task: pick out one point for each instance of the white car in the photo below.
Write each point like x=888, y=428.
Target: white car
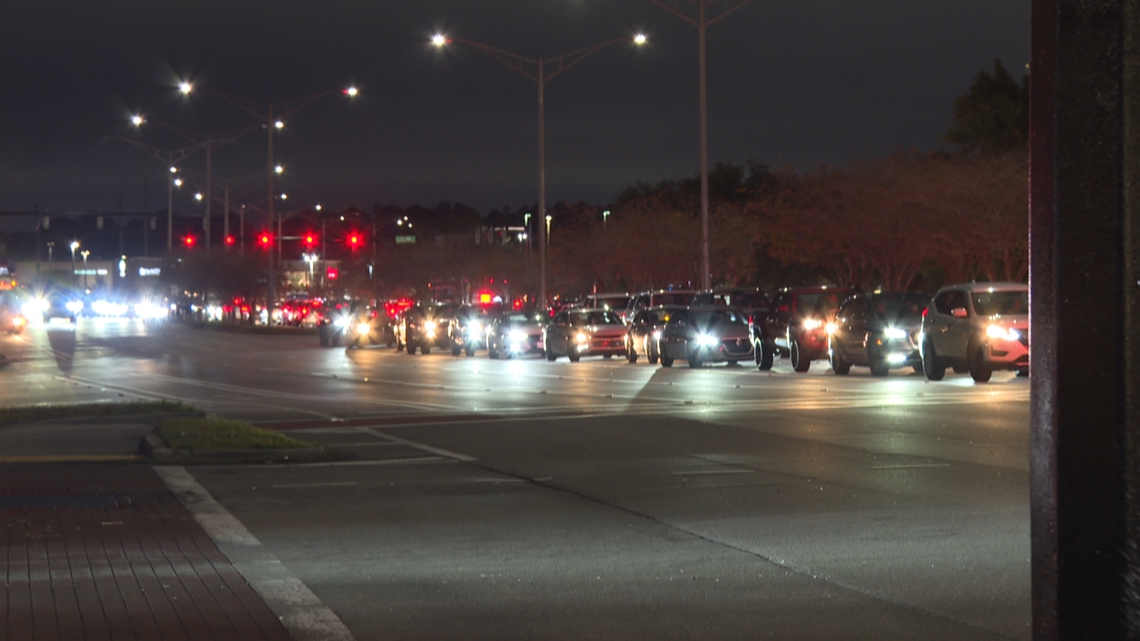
x=979, y=327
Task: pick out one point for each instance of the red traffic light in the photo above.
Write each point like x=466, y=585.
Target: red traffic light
x=355, y=240
x=265, y=239
x=230, y=240
x=189, y=240
x=309, y=240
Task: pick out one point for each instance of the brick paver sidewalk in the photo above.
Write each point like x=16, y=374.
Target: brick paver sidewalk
x=107, y=552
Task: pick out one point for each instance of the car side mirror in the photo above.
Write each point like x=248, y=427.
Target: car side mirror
x=959, y=312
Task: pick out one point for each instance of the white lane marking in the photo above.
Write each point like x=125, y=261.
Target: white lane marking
x=420, y=446
x=915, y=466
x=711, y=472
x=392, y=461
x=293, y=485
x=302, y=613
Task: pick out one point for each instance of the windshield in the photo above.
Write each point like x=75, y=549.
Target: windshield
x=719, y=318
x=594, y=318
x=522, y=319
x=899, y=307
x=1009, y=303
x=819, y=304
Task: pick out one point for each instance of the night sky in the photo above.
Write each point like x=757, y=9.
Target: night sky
x=790, y=81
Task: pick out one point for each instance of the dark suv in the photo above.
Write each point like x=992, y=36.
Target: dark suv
x=879, y=331
x=424, y=326
x=796, y=325
x=467, y=330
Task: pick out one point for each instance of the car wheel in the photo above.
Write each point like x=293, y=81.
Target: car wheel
x=492, y=353
x=550, y=356
x=456, y=350
x=979, y=371
x=879, y=367
x=652, y=356
x=324, y=334
x=931, y=368
x=666, y=361
x=469, y=351
x=425, y=349
x=799, y=363
x=694, y=361
x=838, y=365
x=764, y=355
x=630, y=354
x=574, y=356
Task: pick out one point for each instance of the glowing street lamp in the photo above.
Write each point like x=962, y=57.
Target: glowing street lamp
x=536, y=70
x=74, y=246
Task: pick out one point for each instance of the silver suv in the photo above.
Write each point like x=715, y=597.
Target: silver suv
x=979, y=327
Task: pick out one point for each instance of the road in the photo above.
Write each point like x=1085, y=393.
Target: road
x=523, y=499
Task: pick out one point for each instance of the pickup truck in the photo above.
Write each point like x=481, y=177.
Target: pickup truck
x=795, y=324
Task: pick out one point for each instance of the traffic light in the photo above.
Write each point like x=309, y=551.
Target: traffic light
x=189, y=241
x=230, y=240
x=332, y=273
x=310, y=240
x=265, y=239
x=354, y=240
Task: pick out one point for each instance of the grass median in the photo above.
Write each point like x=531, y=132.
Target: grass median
x=206, y=434
x=36, y=413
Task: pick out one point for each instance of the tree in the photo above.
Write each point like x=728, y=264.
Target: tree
x=993, y=116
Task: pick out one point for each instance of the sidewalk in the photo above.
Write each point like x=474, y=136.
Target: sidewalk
x=105, y=551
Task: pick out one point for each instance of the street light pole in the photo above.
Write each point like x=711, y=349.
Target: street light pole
x=702, y=22
x=523, y=65
x=255, y=109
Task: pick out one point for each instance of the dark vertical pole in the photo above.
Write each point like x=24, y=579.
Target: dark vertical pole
x=1085, y=291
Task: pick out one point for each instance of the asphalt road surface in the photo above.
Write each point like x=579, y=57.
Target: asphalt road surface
x=521, y=499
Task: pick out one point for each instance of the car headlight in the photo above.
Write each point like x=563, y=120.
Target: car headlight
x=894, y=332
x=517, y=335
x=812, y=323
x=830, y=328
x=707, y=340
x=74, y=306
x=582, y=338
x=475, y=328
x=429, y=326
x=364, y=328
x=657, y=335
x=997, y=331
x=342, y=322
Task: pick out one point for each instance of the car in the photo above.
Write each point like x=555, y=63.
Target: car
x=369, y=326
x=648, y=299
x=516, y=334
x=980, y=327
x=795, y=325
x=424, y=327
x=575, y=333
x=60, y=305
x=879, y=331
x=747, y=299
x=706, y=334
x=645, y=331
x=467, y=330
x=12, y=319
x=334, y=325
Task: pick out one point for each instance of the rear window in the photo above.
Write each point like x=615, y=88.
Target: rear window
x=594, y=318
x=673, y=298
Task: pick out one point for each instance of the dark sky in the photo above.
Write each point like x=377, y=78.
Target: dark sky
x=789, y=81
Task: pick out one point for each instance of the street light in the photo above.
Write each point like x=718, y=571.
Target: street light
x=701, y=23
x=548, y=219
x=74, y=246
x=535, y=70
x=605, y=216
x=84, y=253
x=264, y=112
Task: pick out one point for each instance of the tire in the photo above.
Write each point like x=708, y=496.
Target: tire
x=492, y=353
x=838, y=365
x=550, y=356
x=932, y=369
x=694, y=362
x=666, y=361
x=425, y=349
x=411, y=349
x=324, y=334
x=879, y=367
x=978, y=369
x=574, y=356
x=630, y=354
x=799, y=363
x=652, y=356
x=764, y=355
x=456, y=350
x=469, y=351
